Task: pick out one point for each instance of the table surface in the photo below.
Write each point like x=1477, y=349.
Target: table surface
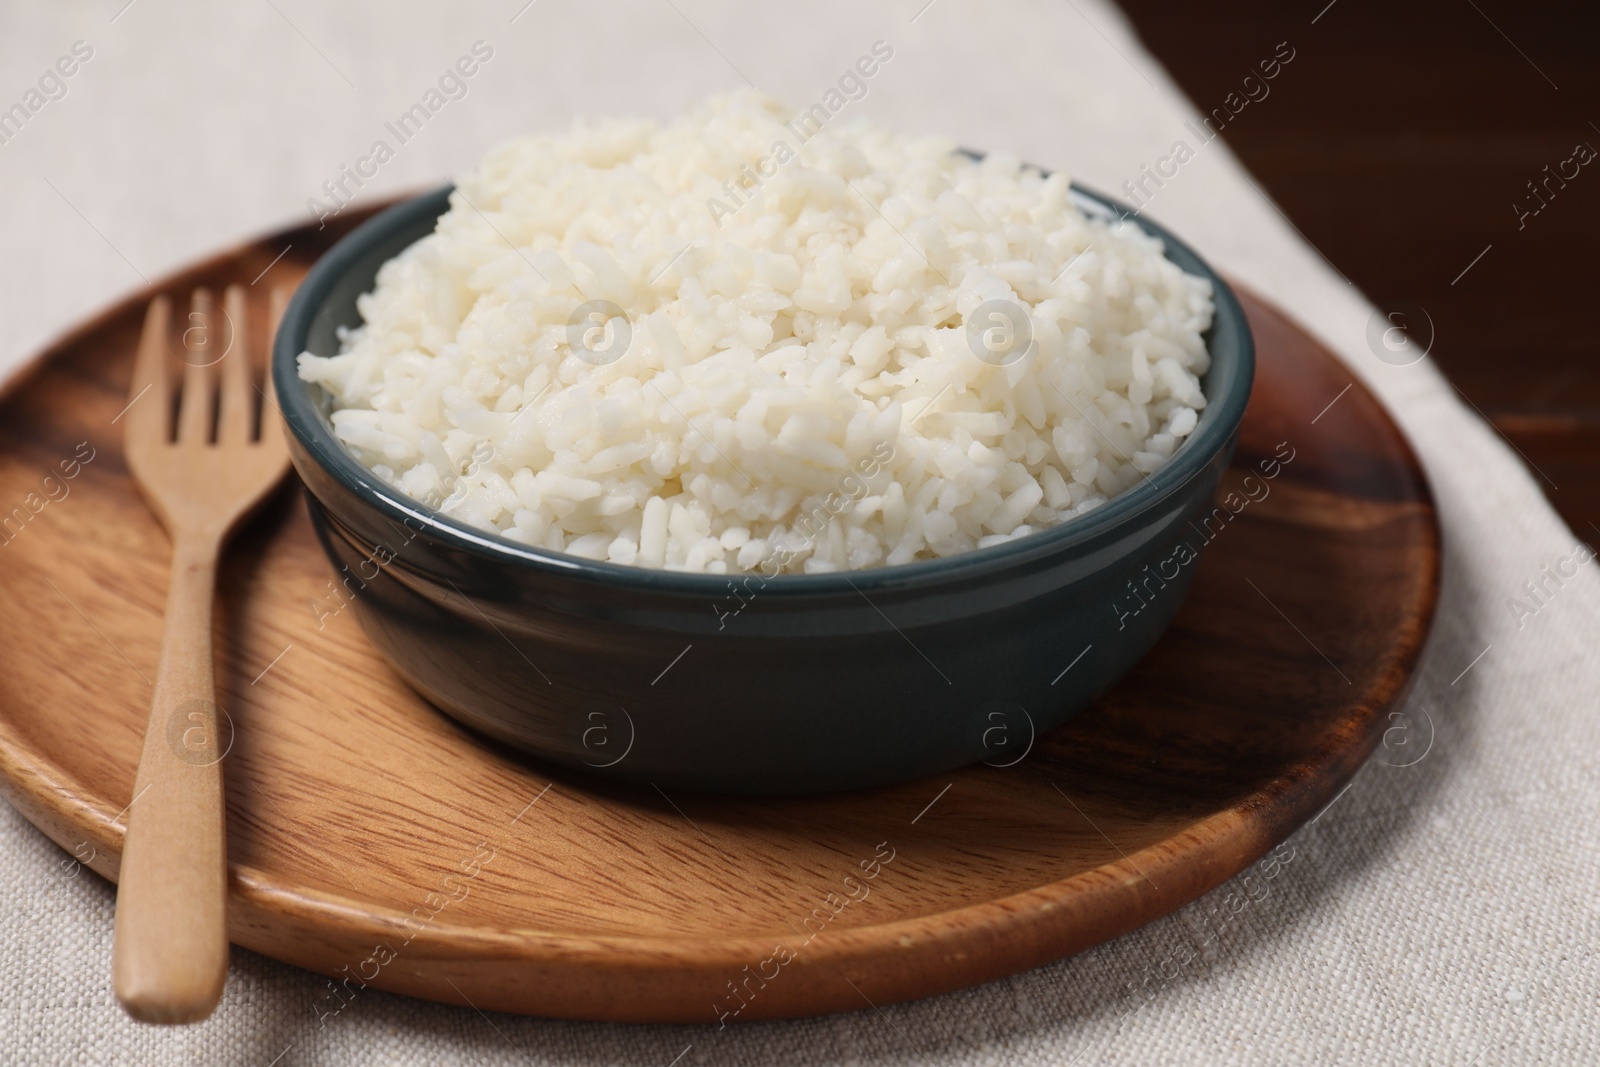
x=1442, y=909
x=1429, y=119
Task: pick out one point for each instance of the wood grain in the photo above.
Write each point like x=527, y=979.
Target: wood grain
x=201, y=468
x=372, y=840
x=1402, y=141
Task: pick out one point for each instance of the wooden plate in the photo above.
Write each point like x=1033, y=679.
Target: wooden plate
x=373, y=840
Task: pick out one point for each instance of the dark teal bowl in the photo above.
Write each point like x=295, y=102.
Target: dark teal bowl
x=819, y=682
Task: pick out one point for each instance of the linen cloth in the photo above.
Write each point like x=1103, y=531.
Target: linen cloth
x=1441, y=910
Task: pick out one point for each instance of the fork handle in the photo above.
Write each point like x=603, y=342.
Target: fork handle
x=170, y=954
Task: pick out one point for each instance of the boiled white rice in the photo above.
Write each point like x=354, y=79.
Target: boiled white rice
x=792, y=384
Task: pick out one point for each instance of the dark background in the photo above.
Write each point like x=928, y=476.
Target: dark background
x=1399, y=148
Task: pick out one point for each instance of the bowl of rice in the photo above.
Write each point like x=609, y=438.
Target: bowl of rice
x=747, y=453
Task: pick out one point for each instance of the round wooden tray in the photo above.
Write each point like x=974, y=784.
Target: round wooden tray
x=373, y=840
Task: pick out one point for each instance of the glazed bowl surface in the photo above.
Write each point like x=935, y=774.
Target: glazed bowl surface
x=790, y=684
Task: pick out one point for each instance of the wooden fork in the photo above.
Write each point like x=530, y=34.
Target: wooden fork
x=200, y=477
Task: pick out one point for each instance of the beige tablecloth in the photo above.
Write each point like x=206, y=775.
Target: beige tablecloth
x=1442, y=911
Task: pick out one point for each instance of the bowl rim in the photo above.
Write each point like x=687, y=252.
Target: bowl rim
x=1218, y=424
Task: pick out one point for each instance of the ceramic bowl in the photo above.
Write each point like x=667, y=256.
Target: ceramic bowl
x=798, y=683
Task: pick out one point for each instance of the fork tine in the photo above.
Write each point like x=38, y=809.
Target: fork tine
x=271, y=418
x=199, y=346
x=234, y=408
x=149, y=416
